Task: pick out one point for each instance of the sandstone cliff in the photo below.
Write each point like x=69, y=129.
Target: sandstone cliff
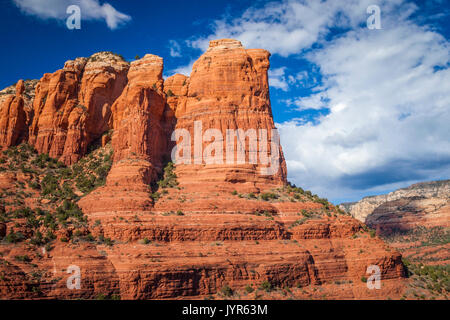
x=228, y=90
x=16, y=112
x=434, y=189
x=415, y=221
x=72, y=106
x=140, y=227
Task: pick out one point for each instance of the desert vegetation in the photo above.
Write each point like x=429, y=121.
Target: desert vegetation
x=57, y=188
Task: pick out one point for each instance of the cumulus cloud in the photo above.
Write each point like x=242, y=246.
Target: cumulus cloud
x=290, y=26
x=186, y=69
x=90, y=10
x=389, y=104
x=175, y=49
x=385, y=92
x=277, y=79
x=314, y=102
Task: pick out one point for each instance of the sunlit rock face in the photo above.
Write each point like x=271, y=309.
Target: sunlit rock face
x=228, y=90
x=72, y=107
x=211, y=222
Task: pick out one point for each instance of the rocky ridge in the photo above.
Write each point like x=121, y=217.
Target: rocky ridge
x=433, y=189
x=140, y=227
x=416, y=221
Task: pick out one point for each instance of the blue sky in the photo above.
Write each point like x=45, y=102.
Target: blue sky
x=360, y=111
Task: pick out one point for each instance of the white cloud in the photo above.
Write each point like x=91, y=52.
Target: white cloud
x=186, y=69
x=277, y=79
x=280, y=79
x=175, y=49
x=314, y=102
x=290, y=26
x=389, y=113
x=386, y=91
x=90, y=10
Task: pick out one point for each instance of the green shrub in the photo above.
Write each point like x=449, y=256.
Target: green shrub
x=49, y=236
x=37, y=239
x=169, y=179
x=298, y=222
x=23, y=258
x=322, y=201
x=14, y=237
x=85, y=184
x=50, y=221
x=106, y=241
x=101, y=296
x=25, y=212
x=155, y=196
x=266, y=286
x=34, y=185
x=50, y=185
x=89, y=238
x=249, y=289
x=109, y=242
x=32, y=222
x=305, y=213
x=226, y=291
x=269, y=196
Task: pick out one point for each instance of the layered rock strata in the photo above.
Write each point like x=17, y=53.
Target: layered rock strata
x=216, y=223
x=425, y=190
x=72, y=106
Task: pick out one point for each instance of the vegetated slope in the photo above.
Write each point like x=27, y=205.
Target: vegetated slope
x=39, y=215
x=313, y=252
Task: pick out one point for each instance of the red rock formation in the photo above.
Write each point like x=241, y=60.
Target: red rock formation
x=138, y=112
x=139, y=140
x=193, y=238
x=415, y=220
x=13, y=118
x=408, y=213
x=72, y=106
x=416, y=226
x=97, y=274
x=176, y=89
x=15, y=283
x=228, y=89
x=56, y=100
